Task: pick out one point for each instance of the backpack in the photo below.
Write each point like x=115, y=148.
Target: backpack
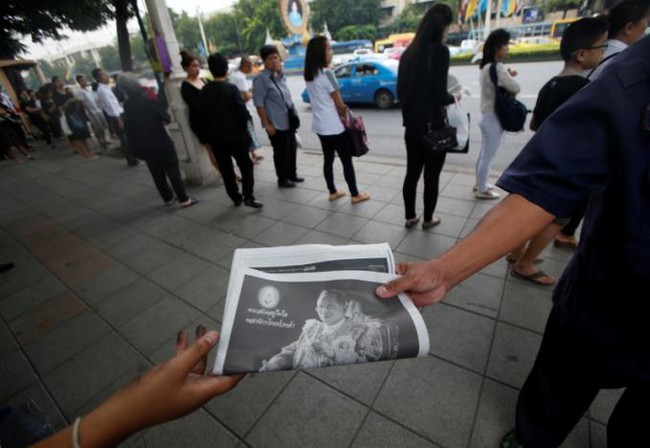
x=511, y=112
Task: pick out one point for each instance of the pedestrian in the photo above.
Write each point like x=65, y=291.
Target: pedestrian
x=75, y=118
x=595, y=145
x=51, y=113
x=328, y=111
x=93, y=111
x=272, y=98
x=495, y=51
x=35, y=115
x=582, y=48
x=224, y=120
x=9, y=139
x=422, y=89
x=191, y=93
x=240, y=78
x=145, y=121
x=628, y=21
x=109, y=104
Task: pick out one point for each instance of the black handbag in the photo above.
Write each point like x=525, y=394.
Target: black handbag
x=510, y=112
x=441, y=139
x=294, y=119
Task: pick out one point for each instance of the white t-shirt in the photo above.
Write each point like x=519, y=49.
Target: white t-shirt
x=243, y=85
x=325, y=117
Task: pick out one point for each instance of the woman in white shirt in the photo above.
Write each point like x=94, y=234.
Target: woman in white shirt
x=328, y=111
x=495, y=51
x=627, y=23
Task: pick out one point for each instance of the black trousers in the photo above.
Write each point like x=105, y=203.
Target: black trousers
x=570, y=228
x=167, y=168
x=38, y=121
x=567, y=375
x=338, y=144
x=284, y=154
x=224, y=153
x=418, y=158
x=128, y=153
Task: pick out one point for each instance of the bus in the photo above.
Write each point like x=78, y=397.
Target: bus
x=394, y=41
x=344, y=51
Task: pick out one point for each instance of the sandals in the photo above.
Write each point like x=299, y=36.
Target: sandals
x=570, y=243
x=428, y=224
x=192, y=202
x=535, y=277
x=511, y=259
x=411, y=222
x=363, y=196
x=336, y=195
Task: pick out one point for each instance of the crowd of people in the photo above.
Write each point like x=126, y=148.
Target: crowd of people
x=589, y=152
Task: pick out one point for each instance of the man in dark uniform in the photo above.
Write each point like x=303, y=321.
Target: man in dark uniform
x=598, y=333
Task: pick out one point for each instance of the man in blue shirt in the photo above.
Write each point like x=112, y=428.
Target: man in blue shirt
x=598, y=334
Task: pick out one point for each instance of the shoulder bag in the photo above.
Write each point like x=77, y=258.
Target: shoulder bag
x=441, y=138
x=511, y=112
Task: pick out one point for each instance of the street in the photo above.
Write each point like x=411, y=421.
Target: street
x=384, y=127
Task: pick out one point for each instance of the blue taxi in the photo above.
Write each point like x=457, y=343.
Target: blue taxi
x=367, y=81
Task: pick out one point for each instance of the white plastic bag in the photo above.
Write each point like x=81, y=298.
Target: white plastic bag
x=459, y=119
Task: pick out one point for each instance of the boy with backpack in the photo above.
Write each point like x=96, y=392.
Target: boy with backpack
x=582, y=48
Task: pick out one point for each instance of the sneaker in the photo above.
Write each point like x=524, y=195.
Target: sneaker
x=252, y=202
x=489, y=194
x=297, y=179
x=286, y=184
x=489, y=187
x=428, y=224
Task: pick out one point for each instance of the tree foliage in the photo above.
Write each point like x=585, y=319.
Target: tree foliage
x=408, y=20
x=42, y=19
x=342, y=13
x=353, y=32
x=253, y=18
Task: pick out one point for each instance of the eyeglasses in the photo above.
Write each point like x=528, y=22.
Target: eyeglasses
x=597, y=47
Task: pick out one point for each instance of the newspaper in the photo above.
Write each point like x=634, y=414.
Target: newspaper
x=314, y=306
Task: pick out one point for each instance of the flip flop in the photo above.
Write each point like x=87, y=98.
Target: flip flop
x=565, y=244
x=192, y=202
x=335, y=196
x=511, y=259
x=533, y=278
x=363, y=196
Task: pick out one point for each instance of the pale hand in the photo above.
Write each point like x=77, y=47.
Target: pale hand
x=512, y=72
x=422, y=281
x=269, y=129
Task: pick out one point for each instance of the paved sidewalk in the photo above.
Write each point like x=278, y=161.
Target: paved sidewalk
x=106, y=275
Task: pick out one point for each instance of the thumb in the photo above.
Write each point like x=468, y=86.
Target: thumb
x=190, y=357
x=211, y=386
x=394, y=287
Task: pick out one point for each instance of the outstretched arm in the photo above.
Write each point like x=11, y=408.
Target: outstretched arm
x=501, y=230
x=168, y=391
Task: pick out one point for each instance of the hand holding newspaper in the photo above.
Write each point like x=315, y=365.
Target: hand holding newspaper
x=314, y=306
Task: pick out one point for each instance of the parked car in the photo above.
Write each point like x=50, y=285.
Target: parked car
x=367, y=81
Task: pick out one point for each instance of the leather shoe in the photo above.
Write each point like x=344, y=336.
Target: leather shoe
x=254, y=203
x=297, y=179
x=286, y=184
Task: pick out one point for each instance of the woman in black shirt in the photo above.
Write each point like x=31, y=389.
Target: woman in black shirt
x=422, y=89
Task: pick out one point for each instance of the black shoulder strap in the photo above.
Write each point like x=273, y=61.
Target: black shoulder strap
x=601, y=63
x=493, y=74
x=279, y=90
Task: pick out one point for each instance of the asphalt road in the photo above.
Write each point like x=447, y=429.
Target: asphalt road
x=384, y=127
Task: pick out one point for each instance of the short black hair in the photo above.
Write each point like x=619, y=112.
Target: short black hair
x=79, y=77
x=268, y=50
x=627, y=11
x=218, y=65
x=95, y=73
x=55, y=78
x=581, y=35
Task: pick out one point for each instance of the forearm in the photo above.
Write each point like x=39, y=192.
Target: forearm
x=505, y=227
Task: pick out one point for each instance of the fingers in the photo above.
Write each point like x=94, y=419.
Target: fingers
x=181, y=342
x=211, y=386
x=186, y=360
x=391, y=289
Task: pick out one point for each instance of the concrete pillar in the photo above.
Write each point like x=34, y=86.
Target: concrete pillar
x=195, y=162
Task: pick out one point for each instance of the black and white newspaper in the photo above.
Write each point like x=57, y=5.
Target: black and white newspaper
x=319, y=314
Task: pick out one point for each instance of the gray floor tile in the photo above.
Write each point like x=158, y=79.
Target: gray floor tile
x=455, y=207
x=179, y=271
x=128, y=248
x=15, y=375
x=190, y=235
x=316, y=237
x=206, y=289
x=480, y=293
x=106, y=284
x=392, y=214
x=496, y=414
x=240, y=408
x=198, y=429
x=7, y=342
x=22, y=277
x=365, y=209
x=281, y=234
x=150, y=329
x=450, y=225
x=168, y=349
x=526, y=306
x=513, y=354
x=604, y=404
x=579, y=437
x=217, y=247
x=81, y=378
x=152, y=257
x=248, y=226
x=124, y=305
x=308, y=217
x=304, y=415
x=425, y=244
x=459, y=336
x=69, y=338
x=378, y=431
x=361, y=381
x=379, y=232
x=342, y=225
x=31, y=296
x=432, y=398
